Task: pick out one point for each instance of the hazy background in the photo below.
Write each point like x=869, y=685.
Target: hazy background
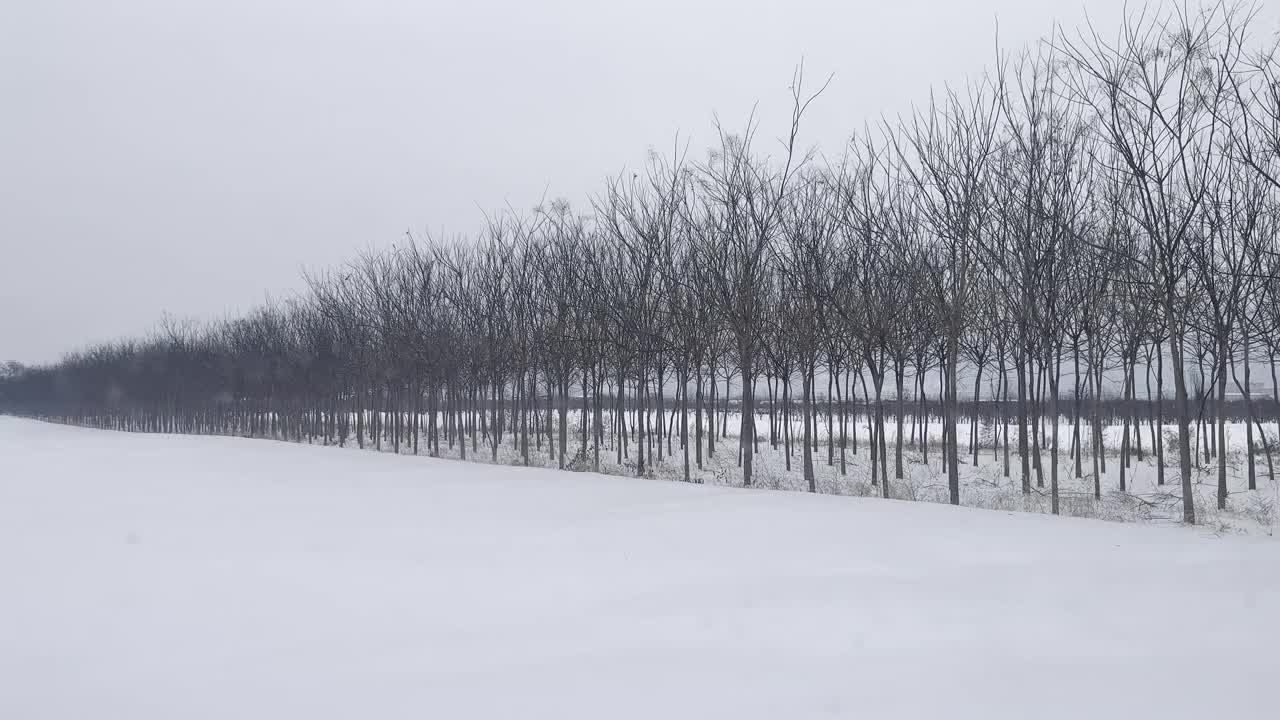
x=164, y=156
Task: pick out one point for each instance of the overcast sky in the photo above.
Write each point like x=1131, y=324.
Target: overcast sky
x=190, y=158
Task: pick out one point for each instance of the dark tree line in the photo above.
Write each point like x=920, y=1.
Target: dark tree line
x=1101, y=202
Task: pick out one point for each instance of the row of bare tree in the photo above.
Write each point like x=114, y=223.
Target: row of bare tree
x=1107, y=203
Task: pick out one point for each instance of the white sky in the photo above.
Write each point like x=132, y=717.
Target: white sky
x=169, y=156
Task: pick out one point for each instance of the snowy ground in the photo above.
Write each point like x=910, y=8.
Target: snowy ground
x=184, y=577
x=984, y=485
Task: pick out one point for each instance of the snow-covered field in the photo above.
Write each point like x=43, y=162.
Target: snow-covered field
x=151, y=576
x=984, y=485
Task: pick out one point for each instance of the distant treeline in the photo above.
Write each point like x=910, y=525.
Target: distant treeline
x=1092, y=205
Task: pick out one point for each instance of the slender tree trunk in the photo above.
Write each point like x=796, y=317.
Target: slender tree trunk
x=1184, y=421
x=831, y=452
x=786, y=419
x=953, y=451
x=1075, y=419
x=977, y=396
x=1222, y=420
x=1159, y=444
x=899, y=372
x=841, y=383
x=1054, y=380
x=747, y=412
x=697, y=415
x=1020, y=369
x=711, y=413
x=1245, y=393
x=807, y=380
x=1124, y=437
x=771, y=410
x=684, y=417
x=1004, y=412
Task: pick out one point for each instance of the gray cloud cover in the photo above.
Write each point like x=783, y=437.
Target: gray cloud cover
x=191, y=157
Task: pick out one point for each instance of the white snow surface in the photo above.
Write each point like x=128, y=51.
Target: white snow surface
x=150, y=576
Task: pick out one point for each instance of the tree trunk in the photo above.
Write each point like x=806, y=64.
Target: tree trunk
x=899, y=372
x=747, y=411
x=1077, y=450
x=1020, y=361
x=1054, y=380
x=1222, y=421
x=952, y=449
x=1159, y=443
x=977, y=395
x=1184, y=419
x=807, y=380
x=684, y=418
